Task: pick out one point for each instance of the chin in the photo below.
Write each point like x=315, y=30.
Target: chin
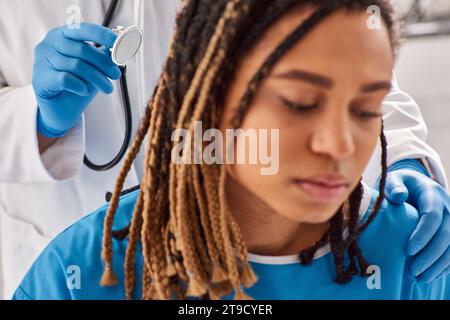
x=320, y=219
x=314, y=215
x=317, y=214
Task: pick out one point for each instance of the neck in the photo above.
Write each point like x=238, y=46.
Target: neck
x=265, y=231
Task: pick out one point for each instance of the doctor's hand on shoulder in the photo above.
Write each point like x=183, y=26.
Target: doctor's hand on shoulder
x=69, y=72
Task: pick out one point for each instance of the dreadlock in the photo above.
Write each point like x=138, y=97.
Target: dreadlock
x=191, y=243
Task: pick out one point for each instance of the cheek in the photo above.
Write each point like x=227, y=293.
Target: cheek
x=365, y=143
x=287, y=136
x=262, y=144
x=291, y=154
x=263, y=177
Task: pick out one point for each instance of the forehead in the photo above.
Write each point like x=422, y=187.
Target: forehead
x=340, y=44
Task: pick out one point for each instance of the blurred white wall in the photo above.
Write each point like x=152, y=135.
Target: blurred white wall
x=432, y=7
x=424, y=72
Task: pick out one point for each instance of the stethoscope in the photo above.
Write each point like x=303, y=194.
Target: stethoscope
x=125, y=48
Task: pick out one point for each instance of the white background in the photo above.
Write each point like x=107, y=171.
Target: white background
x=424, y=72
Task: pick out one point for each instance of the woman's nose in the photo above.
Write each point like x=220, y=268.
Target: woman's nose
x=334, y=139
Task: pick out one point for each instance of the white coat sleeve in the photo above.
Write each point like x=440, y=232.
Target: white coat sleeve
x=406, y=134
x=20, y=160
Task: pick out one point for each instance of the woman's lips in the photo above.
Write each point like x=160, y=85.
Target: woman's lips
x=324, y=192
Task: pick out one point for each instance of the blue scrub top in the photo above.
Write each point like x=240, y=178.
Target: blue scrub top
x=71, y=267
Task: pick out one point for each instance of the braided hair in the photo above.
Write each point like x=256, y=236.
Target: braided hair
x=191, y=243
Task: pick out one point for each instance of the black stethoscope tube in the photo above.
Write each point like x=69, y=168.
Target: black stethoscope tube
x=126, y=104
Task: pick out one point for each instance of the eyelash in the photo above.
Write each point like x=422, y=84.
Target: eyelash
x=302, y=108
x=306, y=108
x=368, y=115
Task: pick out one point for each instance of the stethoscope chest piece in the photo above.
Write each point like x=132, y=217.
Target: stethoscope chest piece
x=127, y=45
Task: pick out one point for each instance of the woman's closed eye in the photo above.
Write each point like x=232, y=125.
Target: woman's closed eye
x=368, y=108
x=360, y=113
x=300, y=107
x=366, y=114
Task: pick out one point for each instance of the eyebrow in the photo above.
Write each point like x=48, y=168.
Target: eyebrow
x=327, y=83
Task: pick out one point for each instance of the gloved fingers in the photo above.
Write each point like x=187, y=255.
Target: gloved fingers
x=446, y=272
x=396, y=191
x=82, y=70
x=48, y=83
x=92, y=33
x=438, y=269
x=98, y=58
x=445, y=197
x=426, y=229
x=56, y=82
x=422, y=187
x=434, y=250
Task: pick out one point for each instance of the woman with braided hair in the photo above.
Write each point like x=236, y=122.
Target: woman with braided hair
x=317, y=72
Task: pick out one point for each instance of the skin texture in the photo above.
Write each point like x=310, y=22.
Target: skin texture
x=334, y=136
x=45, y=143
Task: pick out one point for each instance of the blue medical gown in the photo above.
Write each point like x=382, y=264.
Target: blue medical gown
x=71, y=267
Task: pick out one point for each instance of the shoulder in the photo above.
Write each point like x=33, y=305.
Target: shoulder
x=79, y=236
x=385, y=241
x=386, y=237
x=92, y=225
x=76, y=248
x=400, y=219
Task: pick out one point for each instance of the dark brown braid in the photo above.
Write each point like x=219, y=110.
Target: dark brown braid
x=339, y=245
x=191, y=243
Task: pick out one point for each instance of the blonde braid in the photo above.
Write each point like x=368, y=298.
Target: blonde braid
x=151, y=220
x=248, y=277
x=230, y=251
x=196, y=286
x=175, y=175
x=211, y=186
x=204, y=262
x=203, y=67
x=108, y=277
x=130, y=255
x=218, y=274
x=148, y=290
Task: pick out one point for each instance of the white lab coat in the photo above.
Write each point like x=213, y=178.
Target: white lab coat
x=40, y=195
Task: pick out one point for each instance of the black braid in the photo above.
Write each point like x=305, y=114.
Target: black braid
x=381, y=197
x=339, y=246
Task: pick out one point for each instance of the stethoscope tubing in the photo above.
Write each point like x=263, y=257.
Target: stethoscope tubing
x=126, y=104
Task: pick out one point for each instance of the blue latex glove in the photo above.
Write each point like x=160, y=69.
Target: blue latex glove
x=68, y=73
x=408, y=181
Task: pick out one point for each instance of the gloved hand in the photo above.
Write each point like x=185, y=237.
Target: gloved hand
x=68, y=73
x=430, y=242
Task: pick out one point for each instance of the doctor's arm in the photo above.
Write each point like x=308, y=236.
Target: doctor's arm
x=26, y=157
x=43, y=124
x=45, y=143
x=407, y=133
x=416, y=175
